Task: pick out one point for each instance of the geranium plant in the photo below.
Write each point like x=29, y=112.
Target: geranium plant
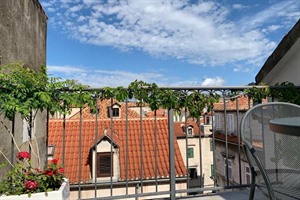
x=25, y=179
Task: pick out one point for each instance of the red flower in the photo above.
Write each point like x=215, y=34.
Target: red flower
x=31, y=185
x=22, y=155
x=54, y=161
x=37, y=169
x=61, y=170
x=48, y=172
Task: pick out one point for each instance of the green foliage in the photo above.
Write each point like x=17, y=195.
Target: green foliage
x=139, y=90
x=285, y=92
x=257, y=94
x=2, y=165
x=289, y=93
x=24, y=90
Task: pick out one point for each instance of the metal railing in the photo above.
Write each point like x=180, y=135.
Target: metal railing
x=226, y=145
x=120, y=189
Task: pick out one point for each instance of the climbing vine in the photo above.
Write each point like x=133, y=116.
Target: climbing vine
x=24, y=90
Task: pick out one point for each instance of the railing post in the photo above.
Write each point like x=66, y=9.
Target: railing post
x=171, y=154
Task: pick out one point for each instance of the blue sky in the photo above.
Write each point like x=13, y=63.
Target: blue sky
x=169, y=42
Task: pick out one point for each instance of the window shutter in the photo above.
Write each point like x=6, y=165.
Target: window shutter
x=218, y=121
x=190, y=153
x=104, y=164
x=230, y=122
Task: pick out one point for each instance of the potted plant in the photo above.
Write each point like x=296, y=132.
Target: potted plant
x=24, y=181
x=26, y=92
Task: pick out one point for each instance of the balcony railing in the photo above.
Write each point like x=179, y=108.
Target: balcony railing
x=125, y=150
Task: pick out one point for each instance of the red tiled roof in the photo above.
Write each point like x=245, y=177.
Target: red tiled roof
x=88, y=134
x=230, y=138
x=160, y=113
x=234, y=139
x=243, y=104
x=179, y=128
x=103, y=110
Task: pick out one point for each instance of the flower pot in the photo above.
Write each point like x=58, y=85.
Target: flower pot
x=63, y=193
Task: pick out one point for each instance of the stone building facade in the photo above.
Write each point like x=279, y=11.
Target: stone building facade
x=23, y=31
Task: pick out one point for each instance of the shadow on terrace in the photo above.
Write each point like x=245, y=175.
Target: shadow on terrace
x=152, y=143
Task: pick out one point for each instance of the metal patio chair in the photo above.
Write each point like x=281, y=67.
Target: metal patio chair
x=271, y=139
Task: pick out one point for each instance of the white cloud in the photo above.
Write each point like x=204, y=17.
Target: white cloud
x=271, y=28
x=239, y=6
x=284, y=12
x=199, y=33
x=102, y=78
x=216, y=81
x=241, y=68
x=64, y=69
x=115, y=78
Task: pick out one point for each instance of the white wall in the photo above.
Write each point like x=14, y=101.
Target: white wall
x=220, y=165
x=207, y=156
x=287, y=69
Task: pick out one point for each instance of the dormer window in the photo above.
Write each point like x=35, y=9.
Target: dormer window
x=105, y=160
x=190, y=131
x=104, y=164
x=115, y=110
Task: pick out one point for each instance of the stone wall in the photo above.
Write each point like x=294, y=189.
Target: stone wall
x=23, y=30
x=23, y=27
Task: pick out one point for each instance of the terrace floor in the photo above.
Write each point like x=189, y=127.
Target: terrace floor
x=242, y=194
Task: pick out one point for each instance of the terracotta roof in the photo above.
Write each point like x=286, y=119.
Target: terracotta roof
x=243, y=104
x=119, y=137
x=103, y=110
x=230, y=138
x=179, y=128
x=161, y=113
x=234, y=139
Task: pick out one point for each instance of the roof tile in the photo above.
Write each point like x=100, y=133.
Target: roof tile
x=119, y=137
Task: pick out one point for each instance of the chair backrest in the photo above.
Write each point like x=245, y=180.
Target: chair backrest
x=272, y=130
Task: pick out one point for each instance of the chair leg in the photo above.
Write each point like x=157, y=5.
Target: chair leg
x=252, y=188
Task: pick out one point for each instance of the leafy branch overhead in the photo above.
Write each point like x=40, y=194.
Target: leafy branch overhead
x=24, y=90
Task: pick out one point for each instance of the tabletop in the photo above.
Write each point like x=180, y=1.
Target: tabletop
x=289, y=125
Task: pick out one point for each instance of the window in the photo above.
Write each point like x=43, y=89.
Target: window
x=229, y=163
x=218, y=121
x=190, y=131
x=193, y=173
x=190, y=152
x=50, y=151
x=115, y=111
x=247, y=174
x=230, y=122
x=207, y=120
x=212, y=171
x=104, y=164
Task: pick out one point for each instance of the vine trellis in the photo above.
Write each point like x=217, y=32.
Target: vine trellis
x=25, y=91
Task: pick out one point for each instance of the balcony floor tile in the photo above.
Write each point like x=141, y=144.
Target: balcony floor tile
x=232, y=195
